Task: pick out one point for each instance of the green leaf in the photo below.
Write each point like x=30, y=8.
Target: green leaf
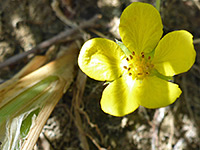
x=26, y=124
x=25, y=99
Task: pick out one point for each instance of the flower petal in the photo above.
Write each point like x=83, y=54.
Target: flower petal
x=117, y=98
x=175, y=53
x=153, y=92
x=100, y=59
x=140, y=27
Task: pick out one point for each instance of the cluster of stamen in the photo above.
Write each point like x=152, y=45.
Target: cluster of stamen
x=138, y=65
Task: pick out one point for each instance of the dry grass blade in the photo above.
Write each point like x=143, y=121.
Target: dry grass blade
x=77, y=100
x=42, y=88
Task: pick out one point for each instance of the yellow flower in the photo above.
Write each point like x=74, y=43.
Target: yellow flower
x=140, y=67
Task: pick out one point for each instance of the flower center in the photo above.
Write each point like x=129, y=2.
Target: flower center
x=138, y=66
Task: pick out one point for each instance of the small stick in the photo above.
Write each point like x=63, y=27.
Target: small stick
x=77, y=98
x=60, y=15
x=40, y=47
x=196, y=41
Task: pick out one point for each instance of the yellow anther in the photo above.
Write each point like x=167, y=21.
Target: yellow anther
x=138, y=67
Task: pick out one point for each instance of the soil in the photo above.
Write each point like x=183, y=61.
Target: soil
x=26, y=23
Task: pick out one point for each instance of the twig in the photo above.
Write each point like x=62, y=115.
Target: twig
x=196, y=41
x=77, y=99
x=40, y=47
x=93, y=125
x=95, y=142
x=60, y=15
